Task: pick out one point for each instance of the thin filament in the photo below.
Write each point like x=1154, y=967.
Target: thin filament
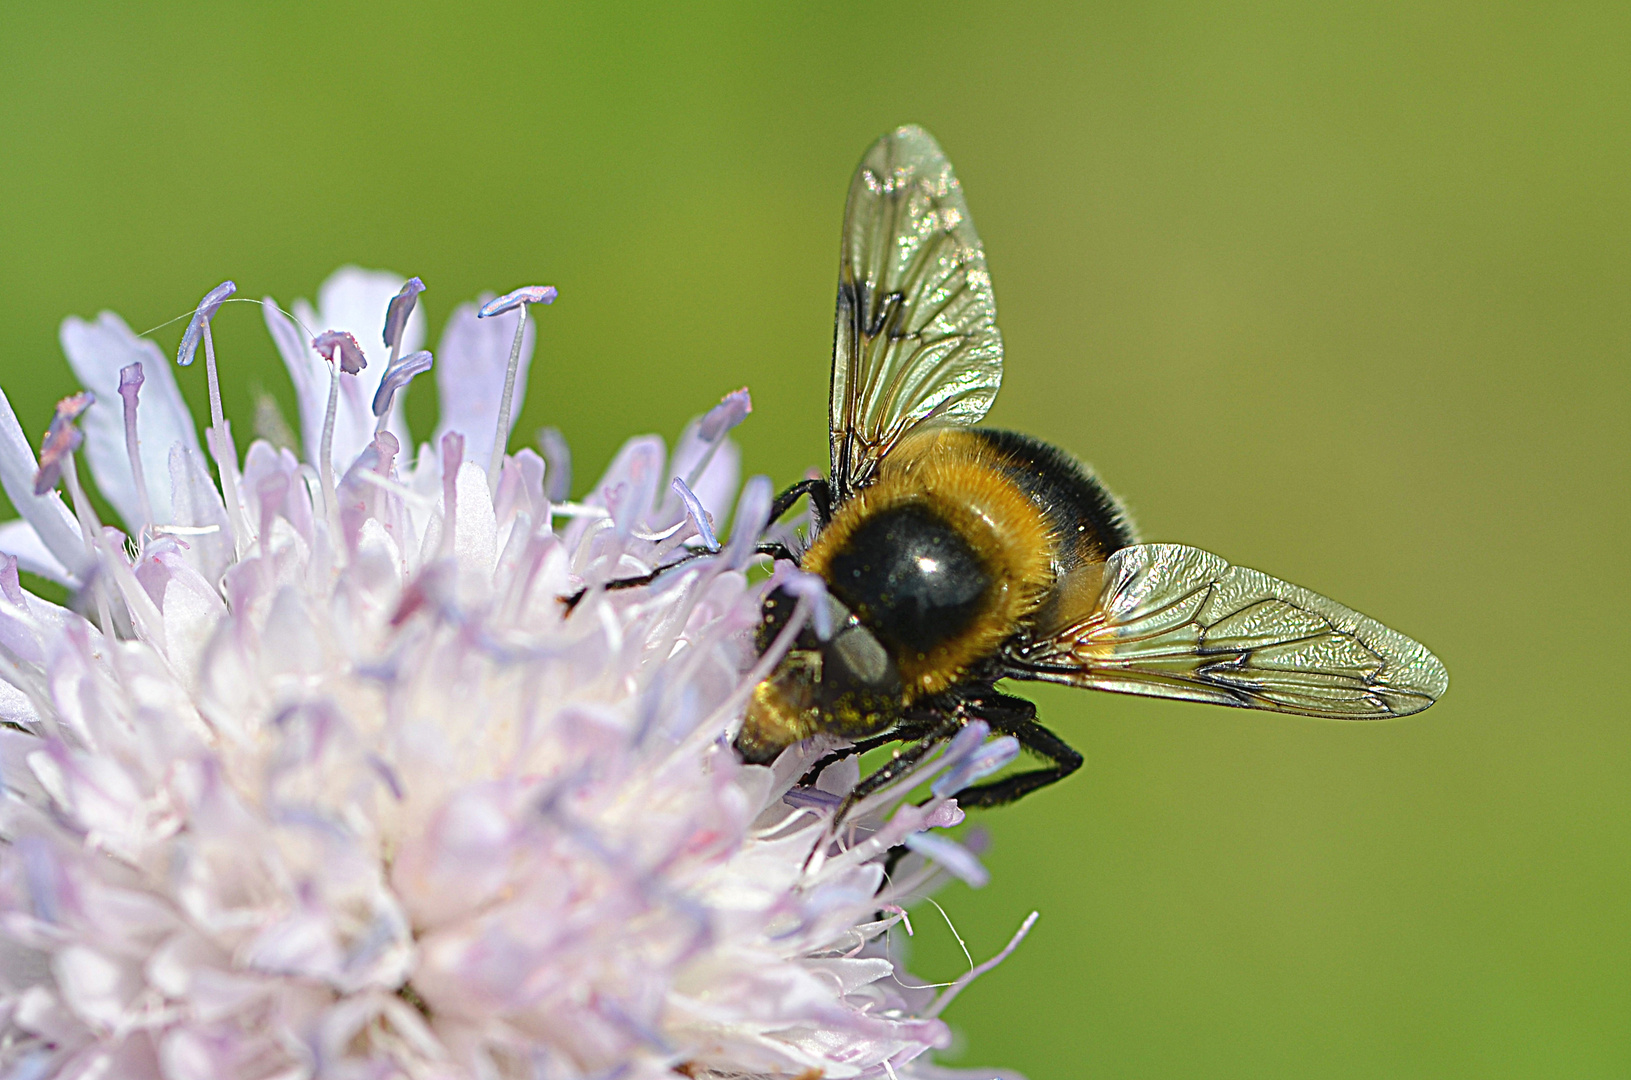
x=134, y=450
x=325, y=460
x=216, y=415
x=89, y=527
x=501, y=437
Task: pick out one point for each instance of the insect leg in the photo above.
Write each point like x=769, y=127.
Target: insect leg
x=641, y=579
x=903, y=761
x=820, y=493
x=776, y=551
x=896, y=734
x=1017, y=717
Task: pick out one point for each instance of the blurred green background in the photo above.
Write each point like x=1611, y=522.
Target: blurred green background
x=1342, y=292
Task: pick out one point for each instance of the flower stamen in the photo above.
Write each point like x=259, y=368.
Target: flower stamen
x=398, y=375
x=343, y=354
x=62, y=438
x=130, y=385
x=219, y=436
x=521, y=298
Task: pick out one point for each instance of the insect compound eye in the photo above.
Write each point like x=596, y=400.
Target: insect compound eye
x=857, y=658
x=911, y=577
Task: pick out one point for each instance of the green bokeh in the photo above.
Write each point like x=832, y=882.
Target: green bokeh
x=1340, y=292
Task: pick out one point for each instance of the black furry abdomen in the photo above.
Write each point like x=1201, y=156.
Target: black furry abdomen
x=1081, y=510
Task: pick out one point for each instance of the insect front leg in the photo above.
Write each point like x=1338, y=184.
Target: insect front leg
x=1017, y=717
x=820, y=493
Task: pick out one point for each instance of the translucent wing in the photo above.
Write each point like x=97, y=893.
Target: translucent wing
x=916, y=336
x=1177, y=622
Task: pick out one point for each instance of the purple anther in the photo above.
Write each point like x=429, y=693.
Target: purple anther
x=527, y=294
x=731, y=410
x=811, y=799
x=397, y=376
x=339, y=347
x=204, y=313
x=396, y=315
x=130, y=384
x=951, y=855
x=994, y=755
x=62, y=438
x=945, y=815
x=699, y=516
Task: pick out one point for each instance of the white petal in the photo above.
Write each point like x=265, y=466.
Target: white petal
x=475, y=539
x=717, y=485
x=198, y=505
x=18, y=538
x=95, y=986
x=192, y=611
x=310, y=384
x=18, y=710
x=97, y=351
x=53, y=523
x=471, y=363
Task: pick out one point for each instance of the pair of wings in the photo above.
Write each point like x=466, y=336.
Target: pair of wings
x=916, y=343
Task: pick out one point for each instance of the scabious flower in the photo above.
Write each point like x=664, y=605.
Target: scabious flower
x=331, y=783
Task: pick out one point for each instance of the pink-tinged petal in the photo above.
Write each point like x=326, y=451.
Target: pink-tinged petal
x=527, y=294
x=752, y=512
x=630, y=486
x=339, y=347
x=470, y=366
x=558, y=456
x=706, y=460
x=521, y=488
x=205, y=311
x=727, y=414
x=98, y=351
x=397, y=312
x=720, y=479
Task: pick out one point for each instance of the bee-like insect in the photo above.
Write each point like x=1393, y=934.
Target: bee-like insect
x=955, y=556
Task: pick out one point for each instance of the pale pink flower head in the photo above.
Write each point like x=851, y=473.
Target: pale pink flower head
x=332, y=783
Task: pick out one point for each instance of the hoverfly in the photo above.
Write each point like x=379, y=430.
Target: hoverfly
x=956, y=556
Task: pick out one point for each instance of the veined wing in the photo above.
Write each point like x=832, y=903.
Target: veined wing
x=916, y=338
x=1177, y=622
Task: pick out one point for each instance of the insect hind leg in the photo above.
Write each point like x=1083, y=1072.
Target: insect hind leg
x=1017, y=717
